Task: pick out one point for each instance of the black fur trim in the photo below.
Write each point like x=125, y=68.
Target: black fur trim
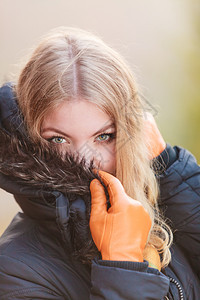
x=42, y=167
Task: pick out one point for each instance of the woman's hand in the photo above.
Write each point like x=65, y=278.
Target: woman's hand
x=121, y=232
x=153, y=137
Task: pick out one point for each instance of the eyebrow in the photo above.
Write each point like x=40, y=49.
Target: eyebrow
x=63, y=133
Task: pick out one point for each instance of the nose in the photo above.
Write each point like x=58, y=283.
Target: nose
x=88, y=153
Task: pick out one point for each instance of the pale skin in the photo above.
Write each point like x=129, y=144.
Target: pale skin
x=81, y=126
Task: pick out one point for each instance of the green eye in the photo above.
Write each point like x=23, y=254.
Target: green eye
x=106, y=137
x=102, y=137
x=58, y=140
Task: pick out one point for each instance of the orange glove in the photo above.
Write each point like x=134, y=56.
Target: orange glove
x=155, y=141
x=121, y=232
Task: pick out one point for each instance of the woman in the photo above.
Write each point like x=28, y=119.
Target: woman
x=91, y=226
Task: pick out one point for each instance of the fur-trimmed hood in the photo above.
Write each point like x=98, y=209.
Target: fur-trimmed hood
x=51, y=189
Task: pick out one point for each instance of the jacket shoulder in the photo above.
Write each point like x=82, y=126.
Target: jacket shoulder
x=20, y=272
x=13, y=235
x=180, y=202
x=32, y=264
x=19, y=279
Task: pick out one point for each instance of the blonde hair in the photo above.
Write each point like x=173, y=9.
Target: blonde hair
x=70, y=63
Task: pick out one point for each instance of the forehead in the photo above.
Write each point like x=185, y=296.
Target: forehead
x=78, y=116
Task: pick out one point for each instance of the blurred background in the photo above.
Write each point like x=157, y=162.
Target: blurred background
x=159, y=39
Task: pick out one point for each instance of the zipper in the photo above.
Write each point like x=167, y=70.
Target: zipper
x=180, y=291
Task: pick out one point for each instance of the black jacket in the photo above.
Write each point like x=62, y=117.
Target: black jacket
x=47, y=251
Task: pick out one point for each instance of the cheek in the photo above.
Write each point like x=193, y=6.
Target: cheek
x=107, y=159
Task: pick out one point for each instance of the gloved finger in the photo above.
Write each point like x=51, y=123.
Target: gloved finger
x=98, y=198
x=115, y=188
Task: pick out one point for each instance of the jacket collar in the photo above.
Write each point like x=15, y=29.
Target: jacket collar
x=52, y=190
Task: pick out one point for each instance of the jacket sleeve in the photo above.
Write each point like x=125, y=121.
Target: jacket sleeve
x=180, y=202
x=127, y=280
x=109, y=280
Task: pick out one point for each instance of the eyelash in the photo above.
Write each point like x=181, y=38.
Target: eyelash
x=111, y=137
